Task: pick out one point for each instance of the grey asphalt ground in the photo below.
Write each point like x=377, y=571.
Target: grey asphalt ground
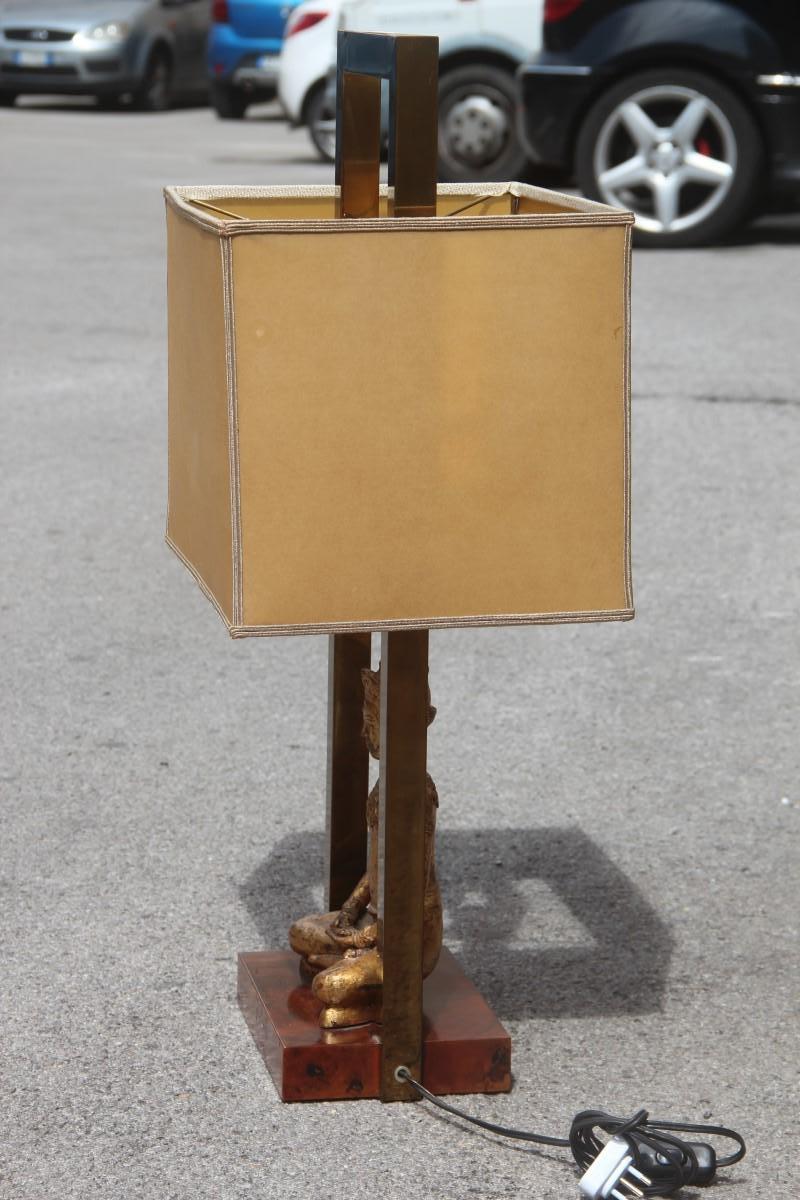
x=619, y=804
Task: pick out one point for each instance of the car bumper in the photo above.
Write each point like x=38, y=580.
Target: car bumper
x=551, y=98
x=62, y=69
x=778, y=100
x=290, y=99
x=257, y=72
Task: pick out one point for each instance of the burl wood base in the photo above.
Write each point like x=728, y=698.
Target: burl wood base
x=466, y=1049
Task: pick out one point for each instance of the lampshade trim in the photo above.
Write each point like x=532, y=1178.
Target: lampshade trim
x=496, y=619
x=580, y=211
x=201, y=583
x=237, y=604
x=626, y=392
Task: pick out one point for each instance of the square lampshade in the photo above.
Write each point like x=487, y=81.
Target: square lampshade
x=399, y=423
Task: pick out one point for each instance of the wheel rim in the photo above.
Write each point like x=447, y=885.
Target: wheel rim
x=669, y=154
x=475, y=129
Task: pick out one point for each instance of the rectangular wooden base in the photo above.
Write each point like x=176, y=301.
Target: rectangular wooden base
x=466, y=1049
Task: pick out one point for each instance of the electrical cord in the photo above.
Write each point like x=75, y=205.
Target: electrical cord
x=647, y=1149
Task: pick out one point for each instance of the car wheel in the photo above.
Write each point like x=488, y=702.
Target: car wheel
x=477, y=130
x=321, y=121
x=678, y=149
x=230, y=103
x=8, y=99
x=154, y=94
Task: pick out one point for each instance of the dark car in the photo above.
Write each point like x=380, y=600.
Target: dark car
x=685, y=111
x=146, y=50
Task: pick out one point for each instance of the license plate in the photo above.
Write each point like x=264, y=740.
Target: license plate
x=33, y=58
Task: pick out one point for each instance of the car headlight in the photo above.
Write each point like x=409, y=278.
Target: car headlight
x=108, y=31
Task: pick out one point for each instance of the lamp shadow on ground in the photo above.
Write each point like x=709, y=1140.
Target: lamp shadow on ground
x=544, y=923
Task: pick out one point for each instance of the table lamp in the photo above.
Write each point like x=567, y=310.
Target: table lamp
x=393, y=409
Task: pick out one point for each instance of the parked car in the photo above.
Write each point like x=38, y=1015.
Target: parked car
x=481, y=44
x=309, y=49
x=688, y=114
x=243, y=50
x=147, y=50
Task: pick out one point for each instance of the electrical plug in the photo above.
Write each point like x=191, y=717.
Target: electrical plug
x=611, y=1171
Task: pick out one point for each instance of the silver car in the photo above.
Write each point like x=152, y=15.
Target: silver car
x=146, y=50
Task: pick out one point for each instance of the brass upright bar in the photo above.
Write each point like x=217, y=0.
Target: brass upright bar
x=359, y=108
x=348, y=766
x=415, y=122
x=411, y=67
x=401, y=871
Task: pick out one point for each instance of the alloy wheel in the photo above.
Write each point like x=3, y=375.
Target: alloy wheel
x=669, y=154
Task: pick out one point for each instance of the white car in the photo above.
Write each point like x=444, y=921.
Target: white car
x=481, y=44
x=309, y=48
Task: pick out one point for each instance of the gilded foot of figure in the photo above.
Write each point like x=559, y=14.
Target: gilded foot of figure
x=350, y=990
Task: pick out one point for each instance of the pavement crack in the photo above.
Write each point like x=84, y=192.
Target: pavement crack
x=773, y=401
x=719, y=398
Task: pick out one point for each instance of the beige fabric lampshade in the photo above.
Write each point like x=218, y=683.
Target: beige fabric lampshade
x=399, y=423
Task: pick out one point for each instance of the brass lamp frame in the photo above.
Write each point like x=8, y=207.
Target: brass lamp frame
x=411, y=67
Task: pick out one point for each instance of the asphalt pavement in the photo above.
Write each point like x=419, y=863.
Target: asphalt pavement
x=619, y=803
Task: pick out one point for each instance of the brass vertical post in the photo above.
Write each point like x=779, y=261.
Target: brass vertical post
x=348, y=766
x=414, y=127
x=401, y=871
x=359, y=111
x=411, y=67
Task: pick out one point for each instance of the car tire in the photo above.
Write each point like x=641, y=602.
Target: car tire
x=8, y=99
x=679, y=149
x=154, y=93
x=230, y=103
x=321, y=122
x=477, y=125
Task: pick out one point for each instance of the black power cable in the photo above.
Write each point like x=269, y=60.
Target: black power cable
x=665, y=1161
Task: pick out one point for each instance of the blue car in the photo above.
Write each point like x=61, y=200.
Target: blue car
x=243, y=50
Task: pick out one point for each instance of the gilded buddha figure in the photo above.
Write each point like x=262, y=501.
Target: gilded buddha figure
x=339, y=950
